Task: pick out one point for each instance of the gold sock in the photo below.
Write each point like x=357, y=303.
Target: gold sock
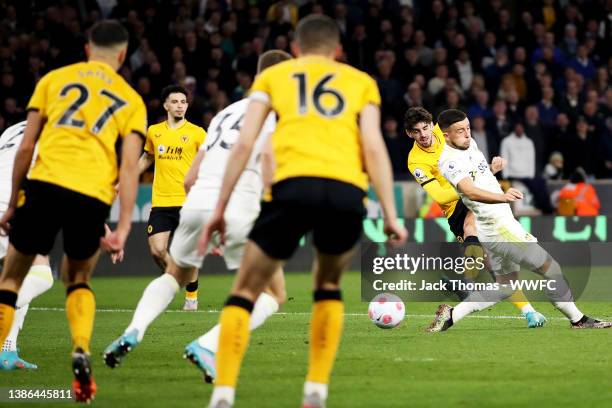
x=233, y=341
x=80, y=309
x=518, y=299
x=191, y=295
x=8, y=298
x=325, y=332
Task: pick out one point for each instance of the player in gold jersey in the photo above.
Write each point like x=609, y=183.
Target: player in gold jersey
x=423, y=165
x=76, y=115
x=172, y=146
x=326, y=143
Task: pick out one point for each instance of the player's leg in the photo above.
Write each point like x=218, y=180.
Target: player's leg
x=16, y=266
x=202, y=351
x=518, y=299
x=273, y=239
x=540, y=262
x=32, y=232
x=83, y=219
x=158, y=246
x=182, y=266
x=256, y=270
x=38, y=280
x=447, y=316
x=337, y=229
x=154, y=301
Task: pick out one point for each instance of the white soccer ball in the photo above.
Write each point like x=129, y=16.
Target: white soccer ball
x=386, y=311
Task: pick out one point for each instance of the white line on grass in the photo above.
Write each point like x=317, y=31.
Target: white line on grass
x=209, y=311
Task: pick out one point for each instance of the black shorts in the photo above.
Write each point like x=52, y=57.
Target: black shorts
x=49, y=208
x=162, y=219
x=332, y=210
x=457, y=219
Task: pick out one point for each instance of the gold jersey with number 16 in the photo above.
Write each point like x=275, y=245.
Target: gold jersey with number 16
x=318, y=102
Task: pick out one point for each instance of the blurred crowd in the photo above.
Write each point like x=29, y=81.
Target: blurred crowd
x=533, y=76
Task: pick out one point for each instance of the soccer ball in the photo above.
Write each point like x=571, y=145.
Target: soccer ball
x=386, y=311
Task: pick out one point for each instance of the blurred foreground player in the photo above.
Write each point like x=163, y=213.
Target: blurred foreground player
x=39, y=278
x=204, y=182
x=328, y=132
x=76, y=115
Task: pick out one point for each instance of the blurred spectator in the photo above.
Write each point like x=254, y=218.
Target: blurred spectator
x=479, y=134
x=546, y=108
x=581, y=194
x=535, y=131
x=498, y=126
x=519, y=151
x=480, y=107
x=398, y=145
x=554, y=168
x=583, y=148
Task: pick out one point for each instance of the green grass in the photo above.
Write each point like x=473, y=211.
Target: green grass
x=481, y=362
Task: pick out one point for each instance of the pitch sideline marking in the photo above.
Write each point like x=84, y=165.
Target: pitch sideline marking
x=213, y=311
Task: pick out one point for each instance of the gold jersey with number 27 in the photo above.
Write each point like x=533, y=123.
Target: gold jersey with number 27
x=87, y=106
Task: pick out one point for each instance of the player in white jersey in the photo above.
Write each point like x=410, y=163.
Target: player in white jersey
x=203, y=182
x=506, y=242
x=39, y=279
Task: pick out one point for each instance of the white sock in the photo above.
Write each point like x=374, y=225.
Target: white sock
x=265, y=306
x=562, y=297
x=315, y=388
x=222, y=393
x=527, y=308
x=155, y=299
x=476, y=302
x=10, y=344
x=38, y=280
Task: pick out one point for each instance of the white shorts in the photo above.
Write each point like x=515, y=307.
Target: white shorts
x=184, y=247
x=508, y=246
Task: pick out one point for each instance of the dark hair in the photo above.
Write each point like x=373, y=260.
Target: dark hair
x=170, y=89
x=416, y=115
x=317, y=31
x=450, y=116
x=108, y=33
x=271, y=57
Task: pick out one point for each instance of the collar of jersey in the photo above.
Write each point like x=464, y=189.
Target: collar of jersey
x=102, y=64
x=178, y=128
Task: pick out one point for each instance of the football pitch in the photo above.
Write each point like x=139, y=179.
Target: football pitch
x=488, y=360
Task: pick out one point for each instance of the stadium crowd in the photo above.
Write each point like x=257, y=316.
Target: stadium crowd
x=534, y=77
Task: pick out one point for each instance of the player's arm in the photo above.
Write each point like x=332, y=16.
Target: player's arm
x=268, y=164
x=467, y=187
x=378, y=167
x=128, y=179
x=145, y=161
x=192, y=174
x=23, y=157
x=254, y=118
x=497, y=164
x=439, y=194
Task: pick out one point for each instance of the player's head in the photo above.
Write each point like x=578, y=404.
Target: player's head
x=418, y=125
x=108, y=40
x=456, y=128
x=317, y=34
x=271, y=57
x=174, y=98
